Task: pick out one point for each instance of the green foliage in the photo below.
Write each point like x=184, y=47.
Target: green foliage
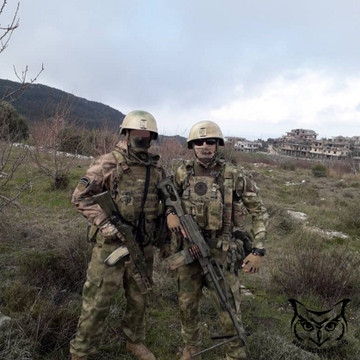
x=14, y=127
x=319, y=170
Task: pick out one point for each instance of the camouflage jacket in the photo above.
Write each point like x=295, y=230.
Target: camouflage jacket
x=123, y=175
x=219, y=195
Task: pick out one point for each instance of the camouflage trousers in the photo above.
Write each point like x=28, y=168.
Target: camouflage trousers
x=100, y=287
x=191, y=282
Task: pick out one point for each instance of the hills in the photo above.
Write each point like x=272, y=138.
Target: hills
x=38, y=102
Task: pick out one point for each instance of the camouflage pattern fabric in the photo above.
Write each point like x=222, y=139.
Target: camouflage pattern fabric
x=204, y=191
x=98, y=292
x=191, y=283
x=124, y=177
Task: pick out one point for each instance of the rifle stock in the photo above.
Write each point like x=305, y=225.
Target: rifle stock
x=142, y=277
x=200, y=250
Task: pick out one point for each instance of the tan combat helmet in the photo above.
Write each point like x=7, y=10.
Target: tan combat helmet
x=205, y=130
x=139, y=120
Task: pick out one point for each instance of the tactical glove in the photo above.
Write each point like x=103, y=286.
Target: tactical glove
x=110, y=232
x=173, y=222
x=251, y=263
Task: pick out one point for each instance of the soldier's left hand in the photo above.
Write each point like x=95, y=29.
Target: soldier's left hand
x=251, y=263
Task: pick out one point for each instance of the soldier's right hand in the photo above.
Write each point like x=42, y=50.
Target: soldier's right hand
x=173, y=222
x=110, y=232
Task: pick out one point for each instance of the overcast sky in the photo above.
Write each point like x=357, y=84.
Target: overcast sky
x=256, y=67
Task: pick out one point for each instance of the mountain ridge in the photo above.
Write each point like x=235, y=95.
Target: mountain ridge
x=37, y=102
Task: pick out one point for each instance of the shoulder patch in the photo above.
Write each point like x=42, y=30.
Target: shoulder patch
x=84, y=181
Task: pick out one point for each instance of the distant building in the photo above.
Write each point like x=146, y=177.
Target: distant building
x=241, y=144
x=300, y=135
x=303, y=143
x=337, y=147
x=297, y=142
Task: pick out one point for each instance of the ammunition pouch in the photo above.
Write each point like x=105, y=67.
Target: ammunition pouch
x=245, y=237
x=240, y=246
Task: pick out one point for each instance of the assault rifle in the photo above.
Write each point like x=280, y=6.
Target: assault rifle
x=200, y=251
x=142, y=277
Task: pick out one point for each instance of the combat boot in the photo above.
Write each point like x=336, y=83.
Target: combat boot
x=188, y=350
x=140, y=351
x=75, y=357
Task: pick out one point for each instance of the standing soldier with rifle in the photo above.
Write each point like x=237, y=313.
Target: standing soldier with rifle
x=119, y=198
x=215, y=194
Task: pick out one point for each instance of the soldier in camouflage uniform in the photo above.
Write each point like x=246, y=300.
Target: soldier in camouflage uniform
x=122, y=172
x=216, y=194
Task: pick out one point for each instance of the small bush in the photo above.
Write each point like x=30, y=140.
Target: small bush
x=309, y=268
x=62, y=266
x=319, y=170
x=349, y=219
x=13, y=344
x=18, y=297
x=61, y=182
x=289, y=165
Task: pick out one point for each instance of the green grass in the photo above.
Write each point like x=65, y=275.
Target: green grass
x=43, y=257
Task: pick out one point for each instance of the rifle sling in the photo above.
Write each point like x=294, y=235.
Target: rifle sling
x=140, y=230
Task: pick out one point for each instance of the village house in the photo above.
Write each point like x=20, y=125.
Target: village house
x=303, y=143
x=241, y=144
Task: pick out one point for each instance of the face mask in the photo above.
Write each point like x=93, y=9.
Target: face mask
x=205, y=153
x=139, y=143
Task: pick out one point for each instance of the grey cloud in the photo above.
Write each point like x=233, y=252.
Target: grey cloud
x=187, y=53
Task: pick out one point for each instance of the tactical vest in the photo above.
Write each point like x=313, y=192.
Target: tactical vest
x=128, y=190
x=209, y=199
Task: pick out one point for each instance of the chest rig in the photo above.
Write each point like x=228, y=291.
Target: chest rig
x=134, y=191
x=208, y=195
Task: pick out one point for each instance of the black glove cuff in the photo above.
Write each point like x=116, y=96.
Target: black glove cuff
x=170, y=211
x=258, y=252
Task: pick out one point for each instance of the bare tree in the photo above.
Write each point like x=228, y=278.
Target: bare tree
x=12, y=158
x=172, y=153
x=104, y=139
x=7, y=31
x=48, y=138
x=5, y=36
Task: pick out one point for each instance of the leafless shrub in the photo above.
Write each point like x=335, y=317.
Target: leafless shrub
x=45, y=322
x=103, y=140
x=61, y=264
x=14, y=345
x=339, y=168
x=12, y=159
x=48, y=138
x=308, y=267
x=172, y=153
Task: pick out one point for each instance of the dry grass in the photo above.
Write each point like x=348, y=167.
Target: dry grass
x=43, y=258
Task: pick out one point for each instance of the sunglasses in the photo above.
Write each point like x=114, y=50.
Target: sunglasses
x=199, y=142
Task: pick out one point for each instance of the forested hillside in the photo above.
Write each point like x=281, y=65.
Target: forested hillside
x=39, y=102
